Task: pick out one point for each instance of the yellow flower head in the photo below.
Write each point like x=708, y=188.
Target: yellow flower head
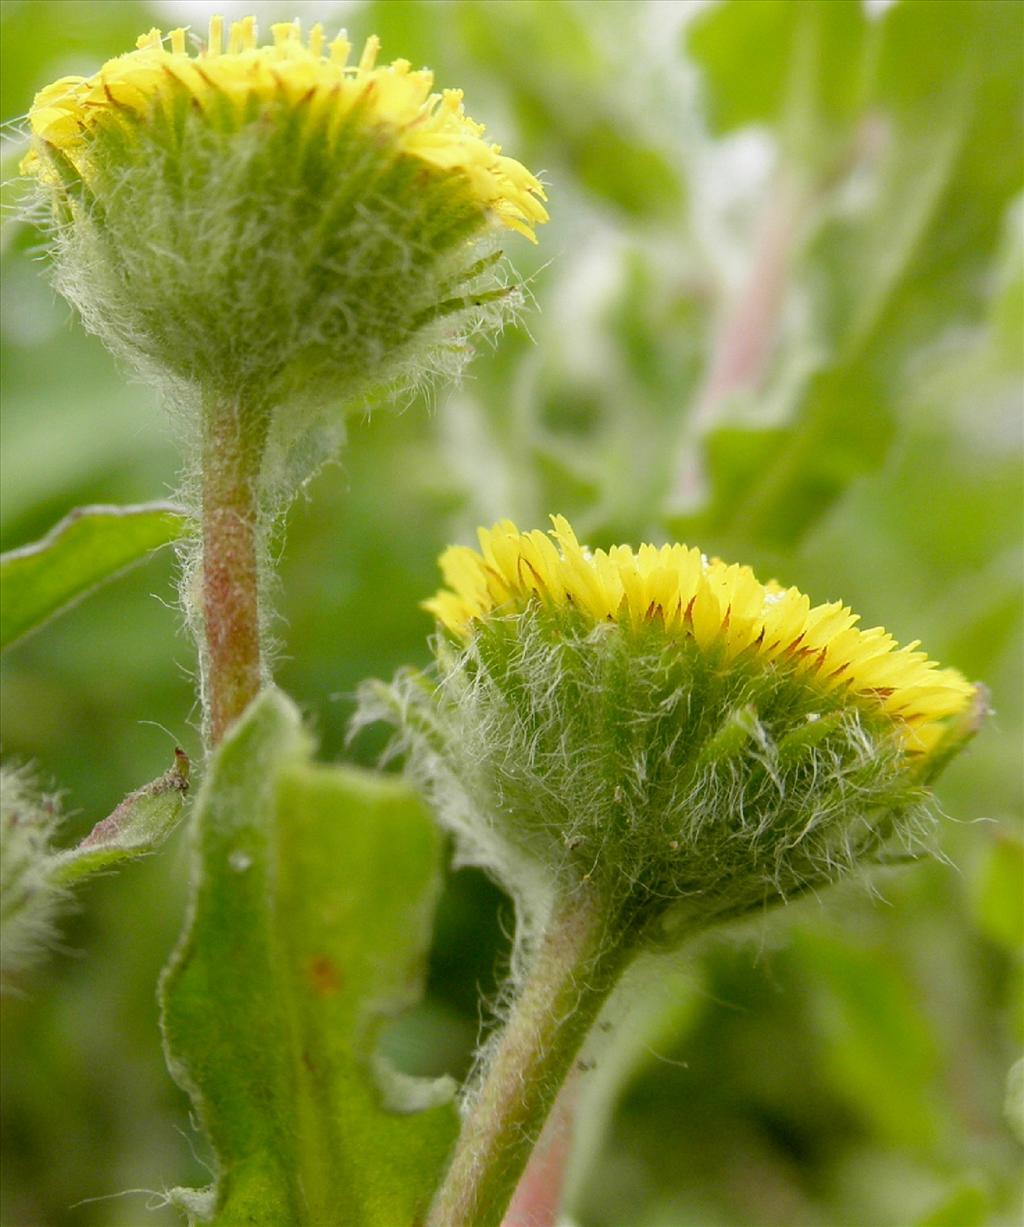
x=721, y=607
x=310, y=76
x=275, y=225
x=664, y=733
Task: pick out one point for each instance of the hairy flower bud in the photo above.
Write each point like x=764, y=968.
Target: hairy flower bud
x=29, y=898
x=689, y=743
x=270, y=224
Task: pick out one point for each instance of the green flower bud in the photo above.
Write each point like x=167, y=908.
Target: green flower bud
x=682, y=741
x=29, y=898
x=270, y=225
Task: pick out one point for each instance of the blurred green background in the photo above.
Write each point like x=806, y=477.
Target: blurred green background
x=778, y=312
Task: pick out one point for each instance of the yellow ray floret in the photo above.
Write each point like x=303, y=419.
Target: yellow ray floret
x=719, y=605
x=430, y=126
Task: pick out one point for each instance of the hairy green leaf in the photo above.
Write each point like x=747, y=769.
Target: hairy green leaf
x=313, y=894
x=139, y=825
x=87, y=548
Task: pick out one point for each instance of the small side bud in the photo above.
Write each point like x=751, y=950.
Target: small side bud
x=139, y=825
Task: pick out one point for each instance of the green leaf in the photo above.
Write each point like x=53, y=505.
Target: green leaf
x=626, y=171
x=139, y=825
x=663, y=1004
x=877, y=1049
x=939, y=141
x=775, y=62
x=312, y=900
x=556, y=67
x=87, y=548
x=1014, y=1105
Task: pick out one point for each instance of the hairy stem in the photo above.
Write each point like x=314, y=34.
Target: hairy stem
x=575, y=967
x=232, y=658
x=538, y=1195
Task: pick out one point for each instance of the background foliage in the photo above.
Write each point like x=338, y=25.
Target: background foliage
x=779, y=313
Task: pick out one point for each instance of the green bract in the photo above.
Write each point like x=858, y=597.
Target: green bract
x=564, y=753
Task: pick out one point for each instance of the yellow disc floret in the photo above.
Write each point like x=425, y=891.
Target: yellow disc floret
x=430, y=126
x=720, y=606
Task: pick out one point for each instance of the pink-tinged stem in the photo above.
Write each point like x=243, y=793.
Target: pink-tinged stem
x=232, y=655
x=539, y=1193
x=575, y=966
x=748, y=332
x=750, y=329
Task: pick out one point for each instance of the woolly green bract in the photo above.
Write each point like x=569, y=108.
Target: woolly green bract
x=684, y=788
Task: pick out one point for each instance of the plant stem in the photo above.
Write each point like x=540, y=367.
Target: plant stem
x=232, y=658
x=538, y=1195
x=748, y=332
x=575, y=967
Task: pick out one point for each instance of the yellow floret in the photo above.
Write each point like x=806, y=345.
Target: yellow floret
x=719, y=605
x=430, y=126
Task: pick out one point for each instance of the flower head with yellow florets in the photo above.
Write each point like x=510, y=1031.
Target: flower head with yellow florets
x=70, y=114
x=275, y=224
x=665, y=730
x=270, y=234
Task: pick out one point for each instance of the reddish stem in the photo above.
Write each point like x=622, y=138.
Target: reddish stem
x=539, y=1194
x=232, y=657
x=748, y=332
x=576, y=965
